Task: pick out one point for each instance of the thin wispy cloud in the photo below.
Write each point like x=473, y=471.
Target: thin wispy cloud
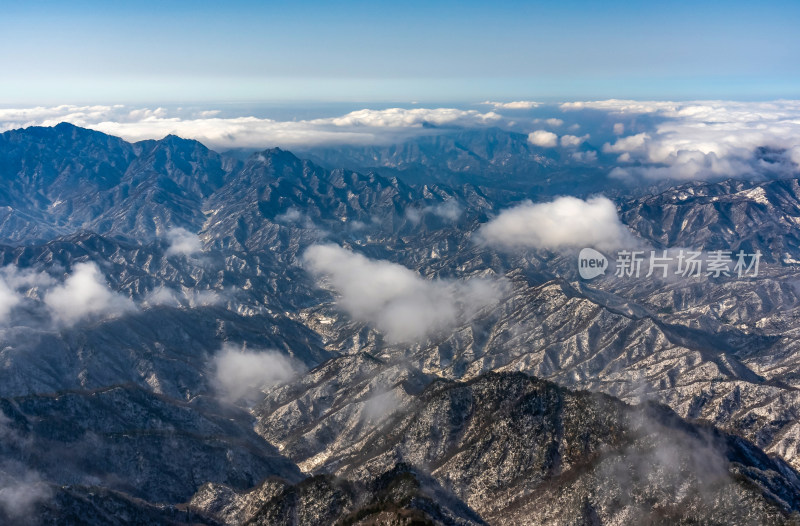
x=21, y=490
x=449, y=210
x=514, y=105
x=9, y=299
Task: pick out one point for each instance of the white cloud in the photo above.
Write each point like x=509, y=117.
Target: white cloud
x=162, y=296
x=381, y=406
x=414, y=214
x=543, y=138
x=190, y=297
x=516, y=105
x=585, y=157
x=396, y=300
x=15, y=283
x=794, y=155
x=621, y=106
x=564, y=222
x=631, y=143
x=9, y=299
x=25, y=279
x=555, y=123
x=619, y=128
x=239, y=373
x=572, y=141
x=183, y=242
x=20, y=493
x=547, y=139
x=11, y=118
x=449, y=209
x=85, y=294
x=204, y=298
x=292, y=215
x=416, y=117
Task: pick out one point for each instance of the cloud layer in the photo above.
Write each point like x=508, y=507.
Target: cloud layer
x=564, y=222
x=641, y=139
x=703, y=140
x=366, y=126
x=400, y=303
x=514, y=105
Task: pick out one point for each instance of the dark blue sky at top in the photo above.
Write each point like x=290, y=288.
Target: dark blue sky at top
x=177, y=52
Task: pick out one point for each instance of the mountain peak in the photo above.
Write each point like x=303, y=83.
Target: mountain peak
x=64, y=125
x=177, y=140
x=275, y=156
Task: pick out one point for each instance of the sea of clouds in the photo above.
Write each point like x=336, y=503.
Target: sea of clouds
x=647, y=140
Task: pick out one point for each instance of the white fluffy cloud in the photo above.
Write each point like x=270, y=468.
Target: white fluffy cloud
x=564, y=222
x=240, y=373
x=396, y=300
x=183, y=242
x=85, y=294
x=543, y=138
x=547, y=139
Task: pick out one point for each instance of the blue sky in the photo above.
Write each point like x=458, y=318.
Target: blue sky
x=238, y=51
